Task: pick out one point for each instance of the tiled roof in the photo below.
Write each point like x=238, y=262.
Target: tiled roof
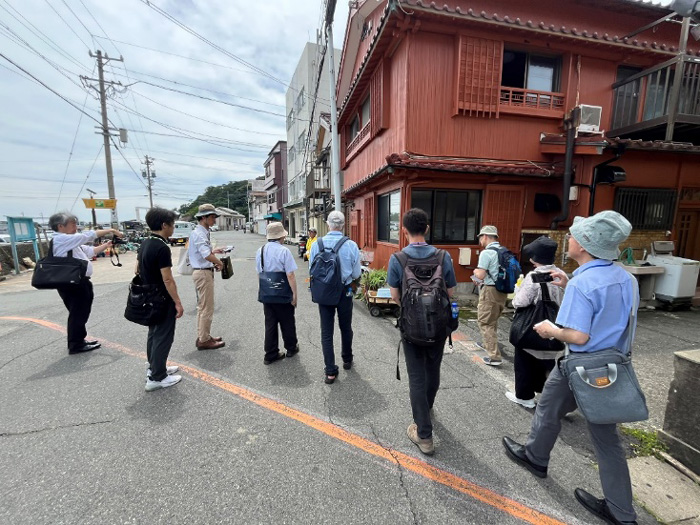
x=614, y=142
x=408, y=160
x=540, y=25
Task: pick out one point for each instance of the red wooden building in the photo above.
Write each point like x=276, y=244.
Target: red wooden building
x=466, y=109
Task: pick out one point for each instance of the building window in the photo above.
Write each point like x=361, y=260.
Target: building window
x=453, y=215
x=300, y=101
x=290, y=155
x=389, y=217
x=529, y=71
x=646, y=209
x=361, y=120
x=290, y=119
x=365, y=113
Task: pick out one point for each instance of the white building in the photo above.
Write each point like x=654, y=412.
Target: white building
x=301, y=141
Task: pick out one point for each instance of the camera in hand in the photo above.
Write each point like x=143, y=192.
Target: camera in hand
x=542, y=277
x=118, y=240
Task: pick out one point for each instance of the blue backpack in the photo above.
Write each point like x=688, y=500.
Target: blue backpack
x=508, y=270
x=326, y=283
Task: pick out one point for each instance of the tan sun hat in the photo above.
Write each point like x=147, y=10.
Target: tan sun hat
x=206, y=209
x=488, y=230
x=275, y=231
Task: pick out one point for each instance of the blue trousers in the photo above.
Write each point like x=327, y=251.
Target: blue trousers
x=327, y=314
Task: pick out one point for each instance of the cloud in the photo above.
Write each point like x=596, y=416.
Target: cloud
x=228, y=141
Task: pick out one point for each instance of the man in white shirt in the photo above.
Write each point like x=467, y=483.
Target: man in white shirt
x=77, y=298
x=204, y=264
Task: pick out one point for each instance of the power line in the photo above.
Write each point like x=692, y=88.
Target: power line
x=47, y=87
x=38, y=33
x=87, y=177
x=203, y=119
x=79, y=21
x=64, y=21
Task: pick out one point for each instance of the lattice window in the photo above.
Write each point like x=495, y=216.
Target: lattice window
x=479, y=76
x=647, y=209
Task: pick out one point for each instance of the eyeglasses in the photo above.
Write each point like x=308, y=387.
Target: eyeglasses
x=567, y=236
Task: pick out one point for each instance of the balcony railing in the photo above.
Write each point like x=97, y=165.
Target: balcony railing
x=528, y=99
x=358, y=139
x=318, y=180
x=646, y=104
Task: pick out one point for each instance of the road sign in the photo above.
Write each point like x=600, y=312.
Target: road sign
x=107, y=204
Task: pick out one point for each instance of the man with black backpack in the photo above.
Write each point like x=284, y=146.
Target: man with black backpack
x=422, y=279
x=334, y=266
x=498, y=270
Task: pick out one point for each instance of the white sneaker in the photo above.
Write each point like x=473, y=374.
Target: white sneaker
x=164, y=383
x=169, y=369
x=527, y=403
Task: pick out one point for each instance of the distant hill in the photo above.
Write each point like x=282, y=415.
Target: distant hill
x=232, y=195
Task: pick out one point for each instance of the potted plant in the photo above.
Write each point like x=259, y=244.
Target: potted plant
x=372, y=280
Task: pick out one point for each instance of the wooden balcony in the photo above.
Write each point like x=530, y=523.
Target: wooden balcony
x=531, y=102
x=318, y=181
x=359, y=138
x=655, y=104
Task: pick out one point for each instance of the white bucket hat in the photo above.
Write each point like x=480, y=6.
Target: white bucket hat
x=601, y=234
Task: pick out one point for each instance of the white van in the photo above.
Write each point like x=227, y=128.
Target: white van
x=181, y=233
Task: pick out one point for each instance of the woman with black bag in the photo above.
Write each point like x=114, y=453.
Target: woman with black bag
x=78, y=297
x=534, y=357
x=155, y=269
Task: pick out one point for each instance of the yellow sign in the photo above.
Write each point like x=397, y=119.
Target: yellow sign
x=107, y=204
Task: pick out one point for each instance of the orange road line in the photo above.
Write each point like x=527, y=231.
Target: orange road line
x=406, y=461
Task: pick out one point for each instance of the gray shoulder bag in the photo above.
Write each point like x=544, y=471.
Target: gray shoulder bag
x=604, y=383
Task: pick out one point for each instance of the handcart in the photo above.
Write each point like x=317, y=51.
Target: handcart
x=378, y=303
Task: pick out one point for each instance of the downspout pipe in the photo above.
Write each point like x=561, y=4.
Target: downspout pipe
x=570, y=125
x=618, y=153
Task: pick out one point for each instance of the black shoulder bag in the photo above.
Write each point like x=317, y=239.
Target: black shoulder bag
x=53, y=272
x=146, y=304
x=522, y=333
x=273, y=286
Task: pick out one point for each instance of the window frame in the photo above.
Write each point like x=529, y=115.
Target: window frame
x=387, y=197
x=469, y=194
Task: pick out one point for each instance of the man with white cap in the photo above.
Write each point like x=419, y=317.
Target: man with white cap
x=204, y=263
x=491, y=301
x=593, y=316
x=350, y=270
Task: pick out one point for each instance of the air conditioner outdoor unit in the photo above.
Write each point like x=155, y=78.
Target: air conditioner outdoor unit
x=589, y=119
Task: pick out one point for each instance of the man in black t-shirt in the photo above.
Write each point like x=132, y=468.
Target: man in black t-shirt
x=155, y=268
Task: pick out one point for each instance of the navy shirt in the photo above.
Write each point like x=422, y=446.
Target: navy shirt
x=419, y=251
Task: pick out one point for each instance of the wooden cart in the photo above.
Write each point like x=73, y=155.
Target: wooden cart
x=380, y=305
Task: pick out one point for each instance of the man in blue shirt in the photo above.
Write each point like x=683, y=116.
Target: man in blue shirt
x=350, y=270
x=593, y=316
x=422, y=362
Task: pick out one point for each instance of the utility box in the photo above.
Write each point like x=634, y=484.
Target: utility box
x=465, y=256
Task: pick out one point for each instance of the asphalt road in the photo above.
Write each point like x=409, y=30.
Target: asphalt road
x=240, y=442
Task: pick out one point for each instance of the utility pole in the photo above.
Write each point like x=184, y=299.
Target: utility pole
x=101, y=61
x=335, y=137
x=94, y=215
x=149, y=176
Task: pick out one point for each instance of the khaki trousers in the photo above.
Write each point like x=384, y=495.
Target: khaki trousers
x=204, y=282
x=491, y=304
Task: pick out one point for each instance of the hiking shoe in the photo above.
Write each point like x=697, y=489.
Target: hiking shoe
x=169, y=369
x=164, y=383
x=491, y=362
x=527, y=403
x=425, y=445
x=292, y=353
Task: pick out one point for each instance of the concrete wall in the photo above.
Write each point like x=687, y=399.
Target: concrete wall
x=680, y=431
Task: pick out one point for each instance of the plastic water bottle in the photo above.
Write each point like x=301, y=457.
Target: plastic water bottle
x=349, y=292
x=455, y=310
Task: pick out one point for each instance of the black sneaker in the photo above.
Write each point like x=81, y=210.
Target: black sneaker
x=347, y=365
x=279, y=356
x=599, y=507
x=292, y=353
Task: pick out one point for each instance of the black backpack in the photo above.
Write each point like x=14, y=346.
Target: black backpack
x=426, y=316
x=508, y=270
x=326, y=283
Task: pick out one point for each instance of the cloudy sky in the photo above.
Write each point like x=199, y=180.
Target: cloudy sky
x=220, y=131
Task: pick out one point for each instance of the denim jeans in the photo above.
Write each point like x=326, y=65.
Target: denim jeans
x=327, y=314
